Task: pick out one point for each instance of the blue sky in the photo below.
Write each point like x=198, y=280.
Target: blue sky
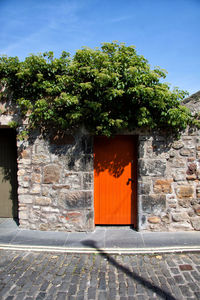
x=166, y=32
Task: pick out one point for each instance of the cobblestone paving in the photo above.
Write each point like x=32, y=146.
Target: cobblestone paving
x=39, y=275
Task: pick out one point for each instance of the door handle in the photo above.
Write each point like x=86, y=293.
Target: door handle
x=129, y=180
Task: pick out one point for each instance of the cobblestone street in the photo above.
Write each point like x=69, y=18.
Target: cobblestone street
x=43, y=275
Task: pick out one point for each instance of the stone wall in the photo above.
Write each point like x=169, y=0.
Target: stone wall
x=55, y=181
x=55, y=178
x=169, y=182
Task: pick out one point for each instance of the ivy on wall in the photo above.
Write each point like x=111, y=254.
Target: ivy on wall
x=107, y=90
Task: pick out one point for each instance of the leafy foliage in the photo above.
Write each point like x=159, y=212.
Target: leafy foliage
x=107, y=90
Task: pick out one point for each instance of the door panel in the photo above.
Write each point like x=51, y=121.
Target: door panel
x=115, y=180
x=8, y=174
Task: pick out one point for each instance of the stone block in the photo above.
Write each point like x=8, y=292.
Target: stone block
x=79, y=162
x=185, y=191
x=75, y=199
x=51, y=173
x=44, y=227
x=163, y=186
x=42, y=201
x=21, y=172
x=178, y=163
x=40, y=159
x=25, y=153
x=153, y=203
x=154, y=220
x=21, y=190
x=187, y=152
x=23, y=215
x=179, y=175
x=49, y=209
x=74, y=180
x=144, y=188
x=191, y=159
x=36, y=178
x=180, y=217
x=177, y=145
x=35, y=189
x=195, y=223
x=192, y=169
x=178, y=226
x=152, y=167
x=60, y=186
x=88, y=181
x=24, y=184
x=197, y=209
x=24, y=161
x=73, y=216
x=25, y=199
x=191, y=177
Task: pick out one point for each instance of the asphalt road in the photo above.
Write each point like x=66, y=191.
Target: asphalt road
x=42, y=275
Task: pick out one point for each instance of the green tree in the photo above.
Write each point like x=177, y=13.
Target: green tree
x=107, y=90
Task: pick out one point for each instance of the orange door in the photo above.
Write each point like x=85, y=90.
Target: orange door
x=115, y=180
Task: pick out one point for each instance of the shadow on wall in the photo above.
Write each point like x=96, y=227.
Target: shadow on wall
x=111, y=159
x=131, y=274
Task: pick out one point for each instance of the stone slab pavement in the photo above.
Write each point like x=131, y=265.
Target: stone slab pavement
x=29, y=275
x=112, y=240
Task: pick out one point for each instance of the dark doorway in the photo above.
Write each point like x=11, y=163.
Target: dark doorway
x=8, y=174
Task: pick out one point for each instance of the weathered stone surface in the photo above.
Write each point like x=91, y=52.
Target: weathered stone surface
x=163, y=186
x=25, y=153
x=42, y=201
x=73, y=216
x=60, y=186
x=191, y=159
x=196, y=223
x=25, y=199
x=178, y=226
x=74, y=180
x=75, y=199
x=177, y=145
x=191, y=177
x=36, y=178
x=152, y=168
x=187, y=152
x=35, y=189
x=44, y=227
x=23, y=215
x=197, y=210
x=192, y=169
x=185, y=191
x=185, y=202
x=49, y=209
x=51, y=173
x=180, y=217
x=88, y=181
x=179, y=175
x=178, y=163
x=144, y=188
x=153, y=203
x=40, y=158
x=21, y=172
x=166, y=219
x=154, y=220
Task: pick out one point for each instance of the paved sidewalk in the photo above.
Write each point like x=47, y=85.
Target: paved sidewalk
x=113, y=240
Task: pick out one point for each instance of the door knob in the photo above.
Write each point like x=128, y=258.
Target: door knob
x=129, y=180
